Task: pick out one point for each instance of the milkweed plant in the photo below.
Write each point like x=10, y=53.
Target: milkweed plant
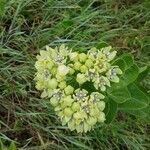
x=88, y=88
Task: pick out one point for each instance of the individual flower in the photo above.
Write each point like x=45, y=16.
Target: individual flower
x=101, y=82
x=101, y=66
x=92, y=54
x=112, y=74
x=60, y=78
x=57, y=95
x=44, y=55
x=96, y=96
x=47, y=93
x=108, y=53
x=80, y=95
x=91, y=75
x=41, y=65
x=42, y=78
x=59, y=55
x=66, y=101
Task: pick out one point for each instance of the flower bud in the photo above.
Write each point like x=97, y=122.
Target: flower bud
x=44, y=94
x=87, y=127
x=62, y=70
x=82, y=57
x=54, y=71
x=77, y=65
x=62, y=85
x=101, y=117
x=60, y=78
x=50, y=64
x=94, y=112
x=91, y=121
x=71, y=125
x=39, y=86
x=54, y=102
x=75, y=106
x=52, y=83
x=83, y=68
x=73, y=56
x=81, y=78
x=101, y=105
x=79, y=128
x=68, y=112
x=69, y=90
x=66, y=101
x=71, y=71
x=89, y=63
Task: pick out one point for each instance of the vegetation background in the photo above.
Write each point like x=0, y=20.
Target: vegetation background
x=26, y=26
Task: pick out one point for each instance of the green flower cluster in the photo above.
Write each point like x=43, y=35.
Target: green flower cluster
x=77, y=108
x=95, y=66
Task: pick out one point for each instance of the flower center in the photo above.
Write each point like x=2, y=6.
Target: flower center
x=59, y=59
x=58, y=95
x=80, y=96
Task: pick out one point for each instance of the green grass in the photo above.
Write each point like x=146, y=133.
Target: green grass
x=26, y=26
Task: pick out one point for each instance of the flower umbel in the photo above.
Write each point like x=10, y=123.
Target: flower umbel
x=67, y=77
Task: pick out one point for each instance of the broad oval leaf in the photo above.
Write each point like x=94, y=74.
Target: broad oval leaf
x=119, y=95
x=142, y=113
x=128, y=59
x=111, y=110
x=138, y=99
x=132, y=104
x=129, y=76
x=121, y=63
x=138, y=94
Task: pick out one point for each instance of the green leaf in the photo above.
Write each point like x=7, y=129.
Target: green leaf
x=137, y=101
x=130, y=70
x=132, y=104
x=111, y=110
x=128, y=59
x=119, y=95
x=129, y=76
x=12, y=146
x=138, y=94
x=142, y=113
x=121, y=63
x=143, y=73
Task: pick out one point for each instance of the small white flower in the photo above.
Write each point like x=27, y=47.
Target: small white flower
x=80, y=95
x=101, y=83
x=92, y=75
x=112, y=74
x=108, y=53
